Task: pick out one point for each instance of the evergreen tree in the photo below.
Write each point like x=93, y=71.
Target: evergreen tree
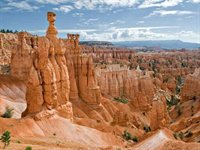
x=5, y=138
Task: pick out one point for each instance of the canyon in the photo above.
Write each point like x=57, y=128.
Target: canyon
x=64, y=95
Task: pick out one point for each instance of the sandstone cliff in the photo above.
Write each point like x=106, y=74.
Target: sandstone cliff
x=186, y=122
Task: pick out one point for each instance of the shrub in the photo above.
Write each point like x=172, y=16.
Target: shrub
x=147, y=128
x=192, y=107
x=121, y=65
x=28, y=148
x=5, y=138
x=154, y=68
x=175, y=135
x=135, y=139
x=5, y=69
x=98, y=121
x=129, y=57
x=173, y=101
x=188, y=134
x=178, y=89
x=127, y=136
x=166, y=79
x=194, y=98
x=18, y=142
x=121, y=100
x=179, y=84
x=181, y=135
x=179, y=110
x=142, y=68
x=184, y=64
x=8, y=113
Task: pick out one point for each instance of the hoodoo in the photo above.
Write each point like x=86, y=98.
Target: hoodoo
x=41, y=63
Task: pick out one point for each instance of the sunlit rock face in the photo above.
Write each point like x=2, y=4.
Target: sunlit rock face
x=138, y=87
x=81, y=69
x=54, y=71
x=191, y=87
x=119, y=81
x=40, y=62
x=187, y=119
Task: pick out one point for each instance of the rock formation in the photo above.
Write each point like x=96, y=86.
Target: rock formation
x=42, y=65
x=12, y=96
x=81, y=66
x=191, y=87
x=186, y=114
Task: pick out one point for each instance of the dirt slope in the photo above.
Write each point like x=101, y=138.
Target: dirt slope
x=164, y=140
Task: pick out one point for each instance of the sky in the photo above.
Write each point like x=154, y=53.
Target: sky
x=107, y=20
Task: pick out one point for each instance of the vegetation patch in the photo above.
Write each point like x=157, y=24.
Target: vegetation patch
x=121, y=100
x=181, y=135
x=5, y=139
x=192, y=110
x=28, y=148
x=179, y=84
x=178, y=109
x=8, y=113
x=188, y=134
x=5, y=69
x=127, y=136
x=173, y=101
x=18, y=142
x=8, y=31
x=147, y=128
x=194, y=98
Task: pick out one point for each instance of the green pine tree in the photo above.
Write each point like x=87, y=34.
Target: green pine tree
x=5, y=138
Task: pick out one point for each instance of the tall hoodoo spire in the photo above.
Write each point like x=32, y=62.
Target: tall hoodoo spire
x=51, y=31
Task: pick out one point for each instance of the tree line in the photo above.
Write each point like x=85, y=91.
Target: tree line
x=8, y=31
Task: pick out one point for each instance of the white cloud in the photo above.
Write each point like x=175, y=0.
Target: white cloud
x=195, y=1
x=189, y=36
x=170, y=12
x=65, y=31
x=55, y=2
x=92, y=4
x=5, y=9
x=104, y=4
x=140, y=22
x=117, y=22
x=142, y=28
x=64, y=8
x=23, y=5
x=77, y=14
x=125, y=34
x=131, y=34
x=160, y=3
x=100, y=5
x=89, y=21
x=141, y=35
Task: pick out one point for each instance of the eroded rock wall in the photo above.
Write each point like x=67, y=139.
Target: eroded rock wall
x=40, y=62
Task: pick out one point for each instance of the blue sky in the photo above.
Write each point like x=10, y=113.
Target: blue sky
x=107, y=20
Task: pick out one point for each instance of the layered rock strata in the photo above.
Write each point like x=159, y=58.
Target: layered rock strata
x=41, y=63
